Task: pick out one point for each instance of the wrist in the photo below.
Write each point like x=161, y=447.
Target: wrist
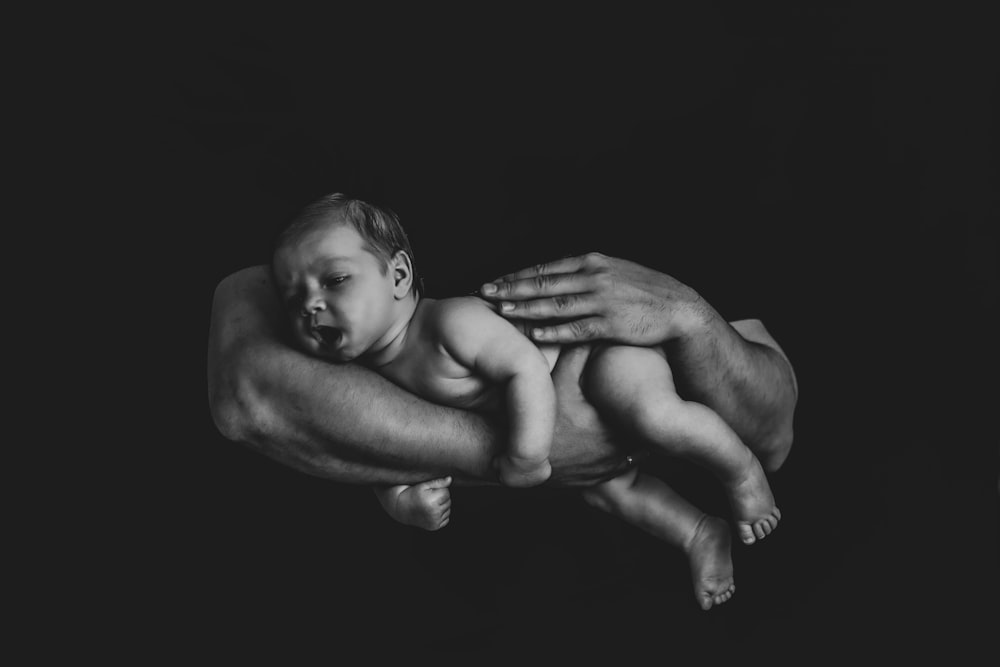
x=692, y=318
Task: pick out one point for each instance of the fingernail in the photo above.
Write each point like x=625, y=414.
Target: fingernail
x=489, y=288
x=506, y=306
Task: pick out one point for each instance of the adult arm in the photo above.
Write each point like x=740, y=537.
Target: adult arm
x=348, y=424
x=736, y=369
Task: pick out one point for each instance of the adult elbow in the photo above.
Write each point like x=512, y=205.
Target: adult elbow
x=228, y=419
x=234, y=409
x=779, y=439
x=777, y=448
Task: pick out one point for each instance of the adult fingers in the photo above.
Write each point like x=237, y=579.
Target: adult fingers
x=577, y=331
x=533, y=287
x=557, y=307
x=565, y=265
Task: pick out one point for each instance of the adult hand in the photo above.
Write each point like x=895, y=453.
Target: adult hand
x=736, y=369
x=593, y=297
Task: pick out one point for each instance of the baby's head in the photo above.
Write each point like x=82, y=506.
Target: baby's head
x=344, y=271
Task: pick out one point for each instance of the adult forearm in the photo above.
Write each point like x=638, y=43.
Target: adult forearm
x=354, y=427
x=739, y=371
x=340, y=422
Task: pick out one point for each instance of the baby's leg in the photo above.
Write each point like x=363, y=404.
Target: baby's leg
x=635, y=387
x=649, y=504
x=426, y=505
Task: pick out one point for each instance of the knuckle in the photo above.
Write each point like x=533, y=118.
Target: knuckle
x=541, y=281
x=592, y=329
x=526, y=308
x=562, y=302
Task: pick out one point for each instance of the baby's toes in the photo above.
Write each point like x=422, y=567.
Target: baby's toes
x=770, y=523
x=725, y=595
x=761, y=529
x=746, y=532
x=439, y=522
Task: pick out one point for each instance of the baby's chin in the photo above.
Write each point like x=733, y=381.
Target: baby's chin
x=340, y=356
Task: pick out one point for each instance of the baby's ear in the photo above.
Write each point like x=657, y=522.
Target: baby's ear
x=402, y=274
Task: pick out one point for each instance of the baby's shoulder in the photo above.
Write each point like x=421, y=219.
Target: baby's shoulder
x=460, y=307
x=461, y=315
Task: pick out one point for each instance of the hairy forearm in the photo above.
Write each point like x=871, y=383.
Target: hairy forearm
x=739, y=371
x=340, y=422
x=351, y=425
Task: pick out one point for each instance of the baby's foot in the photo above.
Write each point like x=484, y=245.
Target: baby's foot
x=426, y=505
x=753, y=505
x=523, y=472
x=711, y=562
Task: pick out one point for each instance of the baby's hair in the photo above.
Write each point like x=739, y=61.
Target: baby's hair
x=379, y=227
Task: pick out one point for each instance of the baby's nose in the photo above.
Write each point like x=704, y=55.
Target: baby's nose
x=312, y=306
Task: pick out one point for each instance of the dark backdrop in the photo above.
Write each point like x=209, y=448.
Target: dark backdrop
x=830, y=170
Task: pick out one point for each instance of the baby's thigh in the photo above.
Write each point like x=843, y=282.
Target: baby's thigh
x=624, y=374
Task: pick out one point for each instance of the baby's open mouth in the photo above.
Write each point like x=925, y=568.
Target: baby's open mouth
x=328, y=335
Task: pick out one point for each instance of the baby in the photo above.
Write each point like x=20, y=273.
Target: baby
x=344, y=270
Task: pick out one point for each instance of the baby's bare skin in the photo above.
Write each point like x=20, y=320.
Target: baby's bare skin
x=426, y=505
x=711, y=562
x=742, y=376
x=753, y=504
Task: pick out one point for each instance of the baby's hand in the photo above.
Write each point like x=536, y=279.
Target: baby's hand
x=426, y=505
x=516, y=471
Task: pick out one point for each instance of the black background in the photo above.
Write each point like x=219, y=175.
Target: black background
x=831, y=170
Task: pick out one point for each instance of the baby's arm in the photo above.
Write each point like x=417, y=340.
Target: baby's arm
x=426, y=505
x=493, y=348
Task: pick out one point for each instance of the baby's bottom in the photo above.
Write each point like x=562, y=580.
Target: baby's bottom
x=634, y=387
x=647, y=503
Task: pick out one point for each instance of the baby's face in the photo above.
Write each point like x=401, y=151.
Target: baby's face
x=339, y=296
